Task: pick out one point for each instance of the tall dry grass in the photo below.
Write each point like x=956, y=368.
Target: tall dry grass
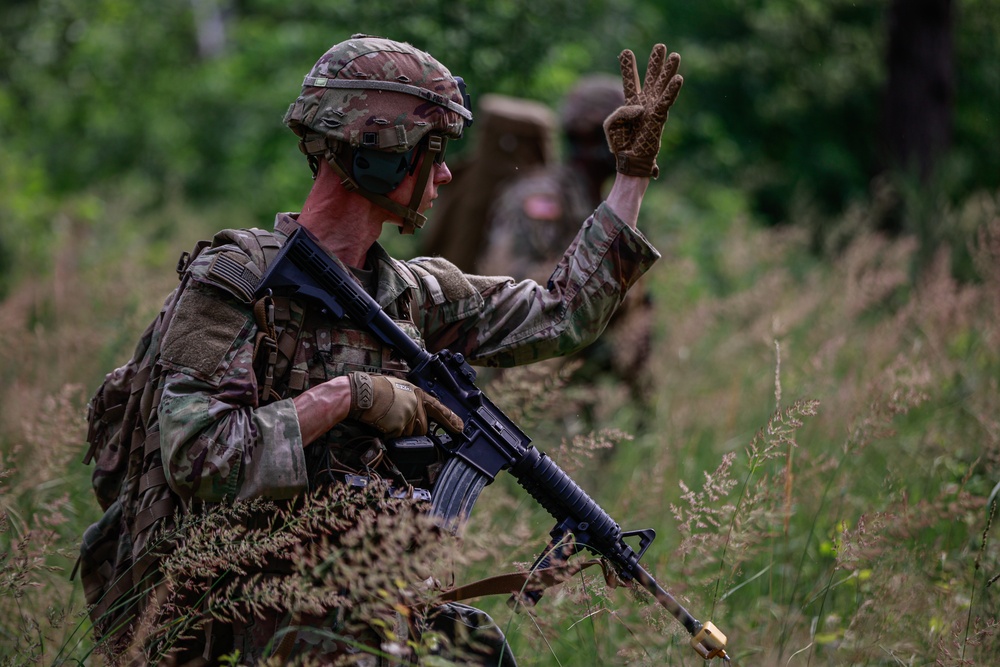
x=822, y=444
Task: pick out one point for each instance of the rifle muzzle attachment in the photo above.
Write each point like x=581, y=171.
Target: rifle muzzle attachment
x=710, y=643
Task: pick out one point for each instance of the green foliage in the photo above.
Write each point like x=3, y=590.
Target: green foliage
x=977, y=94
x=855, y=535
x=133, y=83
x=26, y=214
x=782, y=97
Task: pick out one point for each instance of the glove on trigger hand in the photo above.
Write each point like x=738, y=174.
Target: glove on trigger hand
x=395, y=407
x=633, y=130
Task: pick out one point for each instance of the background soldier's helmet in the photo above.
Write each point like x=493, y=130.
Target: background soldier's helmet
x=582, y=115
x=372, y=107
x=590, y=101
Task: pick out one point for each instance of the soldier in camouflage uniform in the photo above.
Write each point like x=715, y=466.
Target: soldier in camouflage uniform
x=373, y=119
x=536, y=215
x=513, y=135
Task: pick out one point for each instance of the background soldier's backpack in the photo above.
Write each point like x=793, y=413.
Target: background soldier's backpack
x=120, y=552
x=512, y=136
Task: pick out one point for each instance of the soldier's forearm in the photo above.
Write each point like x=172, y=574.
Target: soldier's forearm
x=625, y=197
x=322, y=407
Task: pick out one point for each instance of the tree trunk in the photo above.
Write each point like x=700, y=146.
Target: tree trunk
x=920, y=86
x=210, y=27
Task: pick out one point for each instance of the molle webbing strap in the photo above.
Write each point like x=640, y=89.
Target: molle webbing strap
x=158, y=510
x=152, y=479
x=269, y=245
x=140, y=378
x=153, y=502
x=111, y=598
x=287, y=342
x=286, y=225
x=263, y=312
x=150, y=443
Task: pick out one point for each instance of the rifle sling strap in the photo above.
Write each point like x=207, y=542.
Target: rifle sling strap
x=517, y=582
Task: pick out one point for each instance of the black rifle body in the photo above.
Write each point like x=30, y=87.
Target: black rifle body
x=491, y=442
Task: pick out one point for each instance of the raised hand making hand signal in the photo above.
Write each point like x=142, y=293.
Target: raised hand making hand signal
x=633, y=130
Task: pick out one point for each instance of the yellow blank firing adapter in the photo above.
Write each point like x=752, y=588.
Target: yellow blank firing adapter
x=710, y=643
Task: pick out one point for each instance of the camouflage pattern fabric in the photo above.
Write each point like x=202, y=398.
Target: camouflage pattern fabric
x=375, y=95
x=378, y=114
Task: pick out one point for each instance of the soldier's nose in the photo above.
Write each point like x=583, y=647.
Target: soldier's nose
x=442, y=174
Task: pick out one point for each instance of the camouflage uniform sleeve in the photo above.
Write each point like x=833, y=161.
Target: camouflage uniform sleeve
x=216, y=441
x=495, y=321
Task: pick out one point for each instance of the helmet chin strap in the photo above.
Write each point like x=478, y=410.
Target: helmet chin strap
x=435, y=144
x=410, y=215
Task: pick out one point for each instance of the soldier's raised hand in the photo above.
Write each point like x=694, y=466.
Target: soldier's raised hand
x=633, y=130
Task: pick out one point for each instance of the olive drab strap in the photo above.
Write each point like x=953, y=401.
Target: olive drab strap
x=261, y=247
x=517, y=583
x=265, y=348
x=275, y=338
x=269, y=246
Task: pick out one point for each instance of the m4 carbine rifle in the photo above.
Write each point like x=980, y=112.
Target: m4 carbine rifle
x=490, y=442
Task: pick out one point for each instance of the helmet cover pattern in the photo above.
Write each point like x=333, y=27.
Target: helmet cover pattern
x=377, y=93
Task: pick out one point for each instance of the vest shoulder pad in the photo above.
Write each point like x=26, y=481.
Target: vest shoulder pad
x=236, y=260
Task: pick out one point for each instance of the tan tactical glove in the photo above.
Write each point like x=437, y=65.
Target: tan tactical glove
x=634, y=129
x=395, y=407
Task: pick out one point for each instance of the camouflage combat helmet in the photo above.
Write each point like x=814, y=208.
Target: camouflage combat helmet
x=582, y=114
x=590, y=101
x=372, y=107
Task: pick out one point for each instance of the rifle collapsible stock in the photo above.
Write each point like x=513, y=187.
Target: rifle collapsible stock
x=490, y=443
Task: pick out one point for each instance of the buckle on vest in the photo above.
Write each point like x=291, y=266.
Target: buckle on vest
x=182, y=263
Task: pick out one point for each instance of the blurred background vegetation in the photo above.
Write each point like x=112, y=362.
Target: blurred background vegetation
x=787, y=102
x=830, y=214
